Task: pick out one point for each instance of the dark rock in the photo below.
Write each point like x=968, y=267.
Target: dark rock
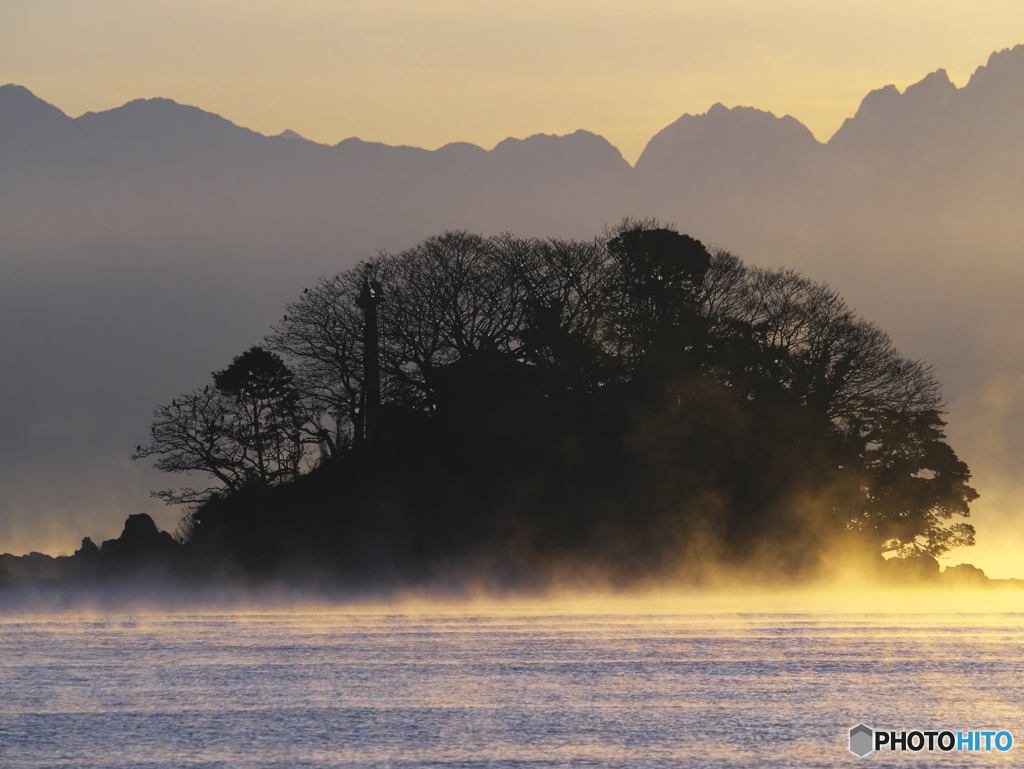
x=141, y=547
x=139, y=529
x=33, y=567
x=965, y=574
x=88, y=551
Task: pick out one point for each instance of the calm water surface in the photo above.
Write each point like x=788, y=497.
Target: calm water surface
x=498, y=688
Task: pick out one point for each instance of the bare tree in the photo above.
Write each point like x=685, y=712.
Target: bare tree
x=244, y=429
x=322, y=333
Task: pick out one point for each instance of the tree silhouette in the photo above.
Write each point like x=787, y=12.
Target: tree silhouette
x=654, y=307
x=626, y=399
x=245, y=430
x=267, y=417
x=322, y=332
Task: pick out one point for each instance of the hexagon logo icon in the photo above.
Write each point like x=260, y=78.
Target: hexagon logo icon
x=862, y=740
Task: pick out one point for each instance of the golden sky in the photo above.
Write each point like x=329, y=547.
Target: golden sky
x=427, y=72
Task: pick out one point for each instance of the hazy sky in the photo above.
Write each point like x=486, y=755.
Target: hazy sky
x=427, y=72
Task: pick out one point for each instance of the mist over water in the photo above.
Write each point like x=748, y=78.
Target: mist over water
x=725, y=680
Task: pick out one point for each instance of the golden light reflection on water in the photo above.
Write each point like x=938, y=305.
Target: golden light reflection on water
x=731, y=678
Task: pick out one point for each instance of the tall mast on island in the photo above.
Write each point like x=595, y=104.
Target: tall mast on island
x=369, y=298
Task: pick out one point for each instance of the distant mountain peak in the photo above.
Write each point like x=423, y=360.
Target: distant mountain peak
x=466, y=149
x=934, y=83
x=933, y=112
x=884, y=103
x=1007, y=58
x=579, y=146
x=290, y=134
x=885, y=107
x=160, y=118
x=354, y=143
x=578, y=136
x=726, y=136
x=719, y=111
x=156, y=106
x=17, y=100
x=719, y=114
x=14, y=91
x=158, y=101
x=1004, y=71
x=879, y=100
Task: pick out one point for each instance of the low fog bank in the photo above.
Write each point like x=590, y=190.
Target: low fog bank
x=146, y=569
x=36, y=584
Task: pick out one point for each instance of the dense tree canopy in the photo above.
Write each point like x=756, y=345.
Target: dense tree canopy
x=635, y=397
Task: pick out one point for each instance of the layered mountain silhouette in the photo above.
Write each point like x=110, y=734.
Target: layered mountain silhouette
x=144, y=246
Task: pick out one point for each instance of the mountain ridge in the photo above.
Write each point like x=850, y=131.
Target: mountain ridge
x=933, y=95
